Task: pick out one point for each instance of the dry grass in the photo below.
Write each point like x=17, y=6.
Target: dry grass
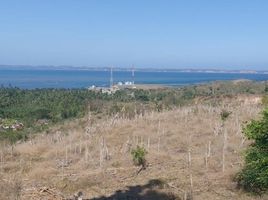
x=93, y=156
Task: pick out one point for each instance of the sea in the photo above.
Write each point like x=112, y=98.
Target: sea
x=31, y=79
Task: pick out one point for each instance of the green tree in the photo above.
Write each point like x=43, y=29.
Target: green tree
x=254, y=175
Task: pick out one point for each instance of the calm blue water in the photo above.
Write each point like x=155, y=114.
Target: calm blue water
x=80, y=78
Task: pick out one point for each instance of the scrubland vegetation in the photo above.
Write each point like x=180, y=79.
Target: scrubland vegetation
x=38, y=108
x=254, y=176
x=190, y=139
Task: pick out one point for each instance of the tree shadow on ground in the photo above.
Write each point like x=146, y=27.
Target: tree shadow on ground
x=141, y=192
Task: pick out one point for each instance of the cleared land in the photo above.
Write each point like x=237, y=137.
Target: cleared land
x=191, y=152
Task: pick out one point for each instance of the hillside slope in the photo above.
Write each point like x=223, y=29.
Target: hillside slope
x=191, y=153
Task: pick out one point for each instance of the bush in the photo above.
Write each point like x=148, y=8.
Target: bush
x=265, y=100
x=266, y=88
x=254, y=175
x=224, y=114
x=138, y=156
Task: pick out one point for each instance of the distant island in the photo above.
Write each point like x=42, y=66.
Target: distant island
x=148, y=69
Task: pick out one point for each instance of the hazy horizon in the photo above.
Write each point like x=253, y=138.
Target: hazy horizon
x=128, y=67
x=225, y=35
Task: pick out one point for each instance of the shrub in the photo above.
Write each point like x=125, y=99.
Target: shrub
x=254, y=175
x=266, y=88
x=224, y=114
x=138, y=156
x=265, y=100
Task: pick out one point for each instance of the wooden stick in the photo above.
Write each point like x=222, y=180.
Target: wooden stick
x=224, y=150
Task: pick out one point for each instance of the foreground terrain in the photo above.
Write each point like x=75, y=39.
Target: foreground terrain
x=192, y=154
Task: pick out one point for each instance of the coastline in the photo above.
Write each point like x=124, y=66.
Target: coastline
x=137, y=69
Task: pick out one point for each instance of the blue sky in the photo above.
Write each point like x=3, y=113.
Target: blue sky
x=226, y=34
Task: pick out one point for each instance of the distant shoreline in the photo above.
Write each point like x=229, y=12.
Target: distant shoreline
x=182, y=70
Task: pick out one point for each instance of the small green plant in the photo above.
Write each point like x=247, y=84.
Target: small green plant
x=266, y=88
x=138, y=156
x=254, y=175
x=224, y=115
x=265, y=100
x=8, y=122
